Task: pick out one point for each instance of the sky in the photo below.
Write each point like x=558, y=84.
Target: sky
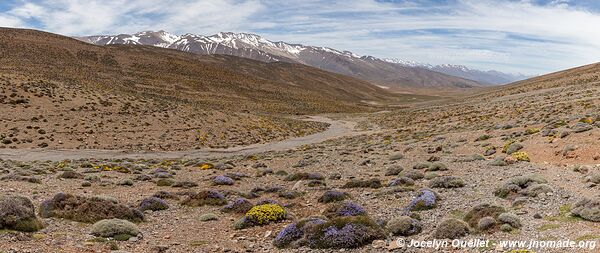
x=517, y=36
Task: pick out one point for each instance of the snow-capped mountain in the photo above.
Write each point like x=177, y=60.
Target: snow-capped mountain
x=492, y=77
x=386, y=73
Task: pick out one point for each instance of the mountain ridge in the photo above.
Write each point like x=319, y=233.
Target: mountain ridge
x=375, y=70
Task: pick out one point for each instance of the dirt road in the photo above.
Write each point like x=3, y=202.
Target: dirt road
x=336, y=129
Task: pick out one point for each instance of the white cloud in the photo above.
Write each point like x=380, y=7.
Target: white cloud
x=517, y=36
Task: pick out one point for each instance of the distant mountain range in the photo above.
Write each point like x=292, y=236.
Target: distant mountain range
x=386, y=73
x=485, y=77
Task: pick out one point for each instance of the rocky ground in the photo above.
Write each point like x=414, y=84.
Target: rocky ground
x=44, y=114
x=522, y=167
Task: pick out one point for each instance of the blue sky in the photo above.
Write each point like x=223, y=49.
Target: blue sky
x=526, y=36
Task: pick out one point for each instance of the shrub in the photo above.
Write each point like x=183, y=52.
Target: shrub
x=471, y=158
x=393, y=170
x=344, y=232
x=223, y=180
x=404, y=181
x=154, y=204
x=451, y=229
x=165, y=182
x=18, y=213
x=499, y=161
x=293, y=234
x=507, y=145
x=366, y=183
x=208, y=217
x=515, y=185
x=413, y=174
x=531, y=131
x=426, y=200
x=205, y=198
x=315, y=183
x=84, y=209
x=510, y=219
x=165, y=195
x=396, y=156
x=506, y=228
x=446, y=182
x=437, y=166
x=342, y=209
x=420, y=166
x=513, y=147
x=70, y=175
x=304, y=176
x=115, y=228
x=266, y=213
x=480, y=211
x=404, y=226
x=184, y=184
x=537, y=189
x=484, y=137
x=240, y=205
x=486, y=223
x=291, y=194
x=587, y=209
x=521, y=156
x=333, y=196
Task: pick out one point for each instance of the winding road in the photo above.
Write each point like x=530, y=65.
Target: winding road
x=336, y=129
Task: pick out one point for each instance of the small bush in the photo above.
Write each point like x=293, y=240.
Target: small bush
x=451, y=229
x=205, y=198
x=266, y=213
x=240, y=205
x=447, y=182
x=587, y=209
x=480, y=211
x=84, y=209
x=517, y=185
x=413, y=174
x=208, y=217
x=154, y=204
x=393, y=170
x=404, y=226
x=344, y=232
x=304, y=176
x=425, y=200
x=521, y=156
x=70, y=175
x=510, y=219
x=402, y=181
x=420, y=166
x=114, y=227
x=366, y=183
x=342, y=209
x=293, y=234
x=333, y=196
x=223, y=180
x=486, y=223
x=18, y=213
x=437, y=166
